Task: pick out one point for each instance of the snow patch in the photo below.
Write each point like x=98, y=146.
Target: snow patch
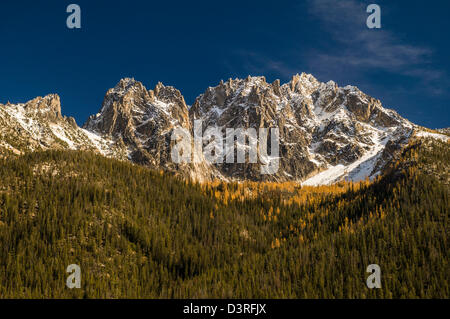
x=356, y=171
x=436, y=136
x=59, y=133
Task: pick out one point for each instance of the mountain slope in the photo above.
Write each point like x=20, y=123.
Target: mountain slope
x=340, y=131
x=144, y=121
x=327, y=133
x=39, y=125
x=137, y=233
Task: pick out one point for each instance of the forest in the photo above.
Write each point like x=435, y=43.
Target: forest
x=138, y=233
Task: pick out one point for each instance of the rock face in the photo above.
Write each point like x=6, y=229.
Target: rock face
x=326, y=133
x=323, y=128
x=144, y=121
x=39, y=125
x=48, y=106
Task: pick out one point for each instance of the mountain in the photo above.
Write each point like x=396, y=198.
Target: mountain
x=71, y=195
x=39, y=125
x=326, y=133
x=144, y=120
x=136, y=233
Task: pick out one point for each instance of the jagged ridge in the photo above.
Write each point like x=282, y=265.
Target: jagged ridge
x=327, y=133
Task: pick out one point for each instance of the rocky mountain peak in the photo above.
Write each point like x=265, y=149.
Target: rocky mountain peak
x=276, y=87
x=327, y=133
x=125, y=85
x=169, y=95
x=232, y=97
x=303, y=83
x=321, y=125
x=127, y=97
x=49, y=106
x=159, y=86
x=39, y=125
x=142, y=119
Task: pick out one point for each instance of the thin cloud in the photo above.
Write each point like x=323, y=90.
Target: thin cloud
x=353, y=50
x=345, y=20
x=360, y=48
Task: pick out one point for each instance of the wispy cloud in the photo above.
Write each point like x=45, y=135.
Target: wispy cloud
x=354, y=49
x=362, y=49
x=359, y=46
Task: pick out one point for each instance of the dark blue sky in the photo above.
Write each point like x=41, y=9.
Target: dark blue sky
x=194, y=44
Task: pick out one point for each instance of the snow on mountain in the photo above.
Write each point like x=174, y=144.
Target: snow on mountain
x=144, y=120
x=437, y=136
x=327, y=133
x=39, y=125
x=356, y=171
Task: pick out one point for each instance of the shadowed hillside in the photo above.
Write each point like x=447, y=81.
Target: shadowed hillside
x=138, y=233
